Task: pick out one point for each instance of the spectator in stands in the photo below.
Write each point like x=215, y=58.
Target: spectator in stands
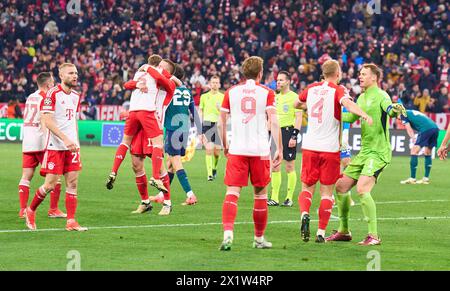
x=439, y=100
x=109, y=40
x=91, y=112
x=14, y=110
x=422, y=101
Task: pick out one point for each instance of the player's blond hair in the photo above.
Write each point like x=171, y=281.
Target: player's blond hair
x=65, y=65
x=252, y=66
x=377, y=71
x=154, y=60
x=330, y=68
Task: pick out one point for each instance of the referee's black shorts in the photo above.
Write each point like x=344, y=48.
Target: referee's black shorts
x=289, y=154
x=209, y=129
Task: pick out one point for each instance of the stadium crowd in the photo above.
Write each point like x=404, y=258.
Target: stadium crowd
x=109, y=40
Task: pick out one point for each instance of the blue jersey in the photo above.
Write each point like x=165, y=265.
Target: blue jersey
x=418, y=121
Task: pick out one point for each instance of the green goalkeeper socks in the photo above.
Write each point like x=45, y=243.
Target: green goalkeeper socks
x=276, y=183
x=370, y=212
x=209, y=164
x=343, y=203
x=292, y=180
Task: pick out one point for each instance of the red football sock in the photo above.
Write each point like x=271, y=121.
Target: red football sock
x=141, y=183
x=121, y=152
x=229, y=211
x=24, y=193
x=304, y=201
x=54, y=196
x=326, y=205
x=38, y=198
x=157, y=159
x=166, y=182
x=71, y=203
x=260, y=214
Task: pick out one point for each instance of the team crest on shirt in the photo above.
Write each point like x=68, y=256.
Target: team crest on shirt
x=285, y=108
x=51, y=166
x=48, y=101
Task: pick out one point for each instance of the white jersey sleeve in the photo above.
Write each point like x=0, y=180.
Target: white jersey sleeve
x=33, y=132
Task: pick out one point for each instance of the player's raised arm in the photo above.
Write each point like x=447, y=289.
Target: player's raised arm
x=161, y=80
x=354, y=109
x=392, y=109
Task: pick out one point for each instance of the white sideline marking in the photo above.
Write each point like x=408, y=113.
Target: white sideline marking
x=213, y=223
x=401, y=202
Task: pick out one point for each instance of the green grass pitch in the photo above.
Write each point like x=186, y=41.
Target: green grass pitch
x=189, y=238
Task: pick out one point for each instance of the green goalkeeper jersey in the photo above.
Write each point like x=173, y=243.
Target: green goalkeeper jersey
x=375, y=139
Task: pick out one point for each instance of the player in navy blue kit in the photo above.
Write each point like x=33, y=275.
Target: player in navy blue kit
x=177, y=123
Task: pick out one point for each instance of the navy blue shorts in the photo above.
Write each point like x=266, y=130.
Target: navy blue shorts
x=428, y=138
x=175, y=142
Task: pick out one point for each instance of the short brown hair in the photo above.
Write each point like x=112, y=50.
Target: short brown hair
x=154, y=60
x=179, y=72
x=172, y=65
x=375, y=70
x=286, y=73
x=214, y=77
x=43, y=78
x=252, y=66
x=330, y=68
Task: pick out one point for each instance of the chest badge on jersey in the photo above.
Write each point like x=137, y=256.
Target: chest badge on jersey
x=285, y=108
x=48, y=101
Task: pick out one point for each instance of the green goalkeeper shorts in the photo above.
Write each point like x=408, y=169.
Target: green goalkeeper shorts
x=365, y=165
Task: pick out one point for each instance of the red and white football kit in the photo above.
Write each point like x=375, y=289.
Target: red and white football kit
x=33, y=148
x=140, y=145
x=58, y=159
x=33, y=144
x=144, y=111
x=249, y=149
x=321, y=143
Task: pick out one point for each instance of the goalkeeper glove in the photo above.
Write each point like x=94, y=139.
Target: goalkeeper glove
x=398, y=109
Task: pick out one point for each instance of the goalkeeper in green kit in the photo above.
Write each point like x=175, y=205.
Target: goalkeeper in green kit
x=373, y=158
